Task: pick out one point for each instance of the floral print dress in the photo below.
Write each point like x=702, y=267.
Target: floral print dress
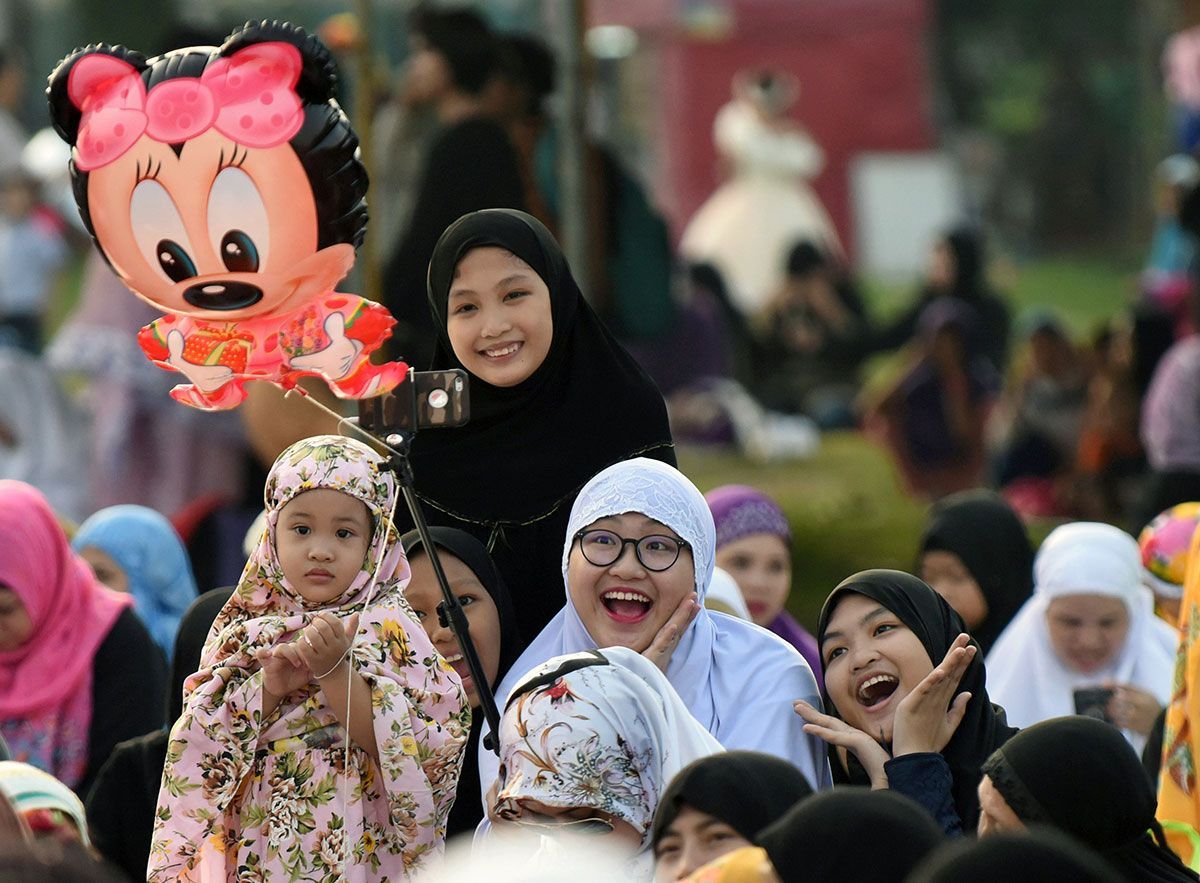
x=248, y=797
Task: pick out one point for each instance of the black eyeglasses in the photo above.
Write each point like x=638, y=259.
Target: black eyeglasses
x=603, y=548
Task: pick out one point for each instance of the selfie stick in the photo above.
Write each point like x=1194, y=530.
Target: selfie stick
x=450, y=611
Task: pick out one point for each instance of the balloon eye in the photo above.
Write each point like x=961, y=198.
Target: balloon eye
x=176, y=262
x=238, y=252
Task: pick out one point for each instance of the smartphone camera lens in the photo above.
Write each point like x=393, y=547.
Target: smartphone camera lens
x=438, y=398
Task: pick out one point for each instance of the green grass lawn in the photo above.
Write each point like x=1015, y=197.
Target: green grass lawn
x=846, y=506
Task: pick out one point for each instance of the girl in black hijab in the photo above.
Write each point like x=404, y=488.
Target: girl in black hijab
x=509, y=476
x=1031, y=857
x=976, y=554
x=718, y=804
x=1080, y=775
x=493, y=630
x=122, y=802
x=905, y=688
x=850, y=834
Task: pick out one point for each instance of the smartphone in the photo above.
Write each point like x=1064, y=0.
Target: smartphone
x=425, y=400
x=1093, y=702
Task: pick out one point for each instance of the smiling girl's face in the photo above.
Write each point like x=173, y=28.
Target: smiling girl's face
x=498, y=316
x=872, y=661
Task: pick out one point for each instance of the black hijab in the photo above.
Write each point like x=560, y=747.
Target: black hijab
x=530, y=448
x=1037, y=856
x=1081, y=776
x=746, y=790
x=990, y=539
x=984, y=727
x=467, y=812
x=967, y=247
x=851, y=834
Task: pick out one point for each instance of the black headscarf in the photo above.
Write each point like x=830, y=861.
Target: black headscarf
x=967, y=247
x=984, y=727
x=990, y=539
x=530, y=448
x=1080, y=775
x=1038, y=856
x=746, y=790
x=466, y=812
x=851, y=834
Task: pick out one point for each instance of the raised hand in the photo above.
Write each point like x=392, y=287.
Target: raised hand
x=283, y=671
x=206, y=378
x=664, y=643
x=926, y=718
x=325, y=641
x=336, y=360
x=837, y=732
x=1132, y=708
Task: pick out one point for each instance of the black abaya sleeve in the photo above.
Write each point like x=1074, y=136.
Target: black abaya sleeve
x=129, y=688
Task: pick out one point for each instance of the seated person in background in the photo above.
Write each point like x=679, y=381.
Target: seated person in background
x=1088, y=641
x=588, y=743
x=718, y=804
x=976, y=554
x=1080, y=776
x=933, y=419
x=636, y=561
x=121, y=803
x=754, y=544
x=78, y=670
x=136, y=550
x=850, y=834
x=805, y=339
x=907, y=701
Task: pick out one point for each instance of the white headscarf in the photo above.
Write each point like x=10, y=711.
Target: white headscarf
x=1027, y=677
x=602, y=729
x=738, y=680
x=725, y=596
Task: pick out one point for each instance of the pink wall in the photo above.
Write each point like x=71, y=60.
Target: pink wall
x=865, y=84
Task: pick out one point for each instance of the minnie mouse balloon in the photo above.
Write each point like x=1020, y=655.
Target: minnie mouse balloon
x=224, y=187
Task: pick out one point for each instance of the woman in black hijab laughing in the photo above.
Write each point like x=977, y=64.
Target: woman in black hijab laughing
x=905, y=688
x=554, y=399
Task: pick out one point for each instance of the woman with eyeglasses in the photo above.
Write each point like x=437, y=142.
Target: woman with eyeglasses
x=588, y=743
x=637, y=561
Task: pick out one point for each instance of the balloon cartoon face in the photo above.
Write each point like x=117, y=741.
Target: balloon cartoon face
x=223, y=186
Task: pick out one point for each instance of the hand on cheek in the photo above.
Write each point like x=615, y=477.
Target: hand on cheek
x=663, y=645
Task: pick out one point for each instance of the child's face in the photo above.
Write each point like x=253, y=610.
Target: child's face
x=498, y=317
x=625, y=604
x=872, y=661
x=762, y=568
x=483, y=619
x=321, y=540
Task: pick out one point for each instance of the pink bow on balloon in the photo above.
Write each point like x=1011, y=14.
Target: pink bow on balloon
x=249, y=97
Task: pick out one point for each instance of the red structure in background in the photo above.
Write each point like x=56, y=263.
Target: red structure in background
x=864, y=84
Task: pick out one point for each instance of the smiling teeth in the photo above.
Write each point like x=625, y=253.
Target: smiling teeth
x=870, y=682
x=500, y=352
x=457, y=657
x=625, y=596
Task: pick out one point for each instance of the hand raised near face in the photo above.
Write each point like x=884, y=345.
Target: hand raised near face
x=926, y=718
x=667, y=639
x=837, y=732
x=337, y=359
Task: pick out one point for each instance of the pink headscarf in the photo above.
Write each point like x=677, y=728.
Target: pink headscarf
x=45, y=684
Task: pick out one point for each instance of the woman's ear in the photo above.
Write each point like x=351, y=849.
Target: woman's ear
x=318, y=77
x=64, y=114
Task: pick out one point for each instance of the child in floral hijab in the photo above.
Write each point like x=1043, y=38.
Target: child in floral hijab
x=317, y=640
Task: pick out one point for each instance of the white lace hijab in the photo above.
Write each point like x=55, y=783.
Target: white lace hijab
x=738, y=680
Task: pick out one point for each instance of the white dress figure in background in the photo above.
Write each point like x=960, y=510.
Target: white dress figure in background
x=750, y=223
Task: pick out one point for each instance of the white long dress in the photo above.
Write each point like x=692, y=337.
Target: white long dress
x=750, y=223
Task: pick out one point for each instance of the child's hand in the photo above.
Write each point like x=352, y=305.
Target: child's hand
x=325, y=641
x=284, y=672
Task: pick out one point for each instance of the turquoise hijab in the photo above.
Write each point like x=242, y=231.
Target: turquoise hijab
x=145, y=545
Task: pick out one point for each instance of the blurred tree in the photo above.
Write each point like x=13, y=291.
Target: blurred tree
x=1070, y=95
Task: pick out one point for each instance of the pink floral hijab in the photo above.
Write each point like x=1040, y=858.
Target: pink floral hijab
x=210, y=783
x=46, y=683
